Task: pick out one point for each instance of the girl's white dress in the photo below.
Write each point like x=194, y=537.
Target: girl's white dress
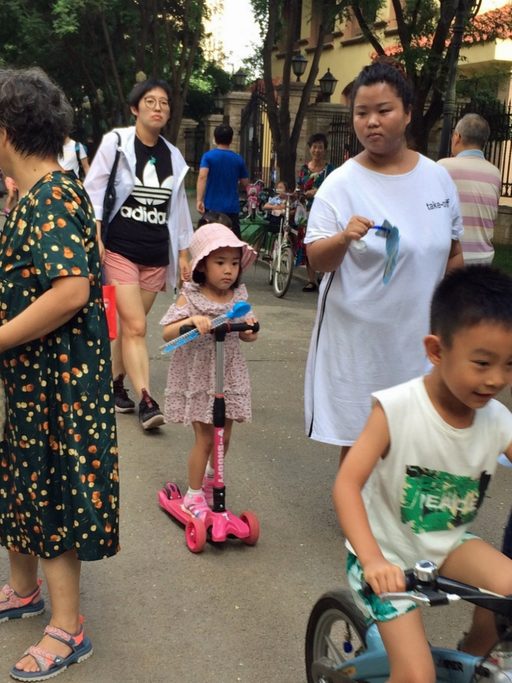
x=191, y=381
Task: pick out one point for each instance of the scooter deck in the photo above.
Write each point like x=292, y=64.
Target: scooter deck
x=221, y=524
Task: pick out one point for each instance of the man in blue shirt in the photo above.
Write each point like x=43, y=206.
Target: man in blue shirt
x=220, y=174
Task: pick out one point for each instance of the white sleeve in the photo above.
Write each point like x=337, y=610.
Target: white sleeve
x=96, y=180
x=186, y=229
x=324, y=220
x=455, y=211
x=185, y=226
x=82, y=152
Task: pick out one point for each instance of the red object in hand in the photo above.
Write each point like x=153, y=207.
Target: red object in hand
x=109, y=299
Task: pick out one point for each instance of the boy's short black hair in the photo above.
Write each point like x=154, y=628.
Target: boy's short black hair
x=141, y=89
x=469, y=296
x=223, y=134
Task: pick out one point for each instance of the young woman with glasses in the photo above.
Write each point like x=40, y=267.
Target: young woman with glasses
x=145, y=244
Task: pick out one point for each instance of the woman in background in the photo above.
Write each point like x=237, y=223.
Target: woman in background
x=311, y=177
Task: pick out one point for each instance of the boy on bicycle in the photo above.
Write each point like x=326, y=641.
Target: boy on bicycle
x=414, y=479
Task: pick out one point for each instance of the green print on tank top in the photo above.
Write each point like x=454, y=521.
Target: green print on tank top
x=433, y=500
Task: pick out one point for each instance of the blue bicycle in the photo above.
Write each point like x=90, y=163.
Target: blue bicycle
x=342, y=648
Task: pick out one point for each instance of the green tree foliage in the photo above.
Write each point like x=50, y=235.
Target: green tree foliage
x=424, y=45
x=95, y=48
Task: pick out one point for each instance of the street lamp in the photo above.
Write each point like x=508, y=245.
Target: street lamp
x=327, y=85
x=239, y=79
x=466, y=9
x=218, y=102
x=299, y=64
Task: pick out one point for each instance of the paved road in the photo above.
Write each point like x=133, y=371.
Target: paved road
x=160, y=614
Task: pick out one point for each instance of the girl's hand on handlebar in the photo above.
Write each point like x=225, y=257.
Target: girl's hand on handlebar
x=202, y=323
x=384, y=577
x=249, y=335
x=357, y=228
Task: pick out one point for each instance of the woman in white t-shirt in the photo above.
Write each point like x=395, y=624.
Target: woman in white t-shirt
x=74, y=156
x=385, y=227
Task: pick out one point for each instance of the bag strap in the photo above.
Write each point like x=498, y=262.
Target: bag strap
x=112, y=177
x=78, y=160
x=111, y=181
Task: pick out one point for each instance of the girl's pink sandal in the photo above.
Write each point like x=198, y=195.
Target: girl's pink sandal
x=16, y=607
x=49, y=663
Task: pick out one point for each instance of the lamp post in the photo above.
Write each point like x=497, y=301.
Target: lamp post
x=327, y=85
x=239, y=79
x=299, y=64
x=466, y=9
x=218, y=102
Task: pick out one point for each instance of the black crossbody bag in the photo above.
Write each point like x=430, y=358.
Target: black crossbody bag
x=110, y=193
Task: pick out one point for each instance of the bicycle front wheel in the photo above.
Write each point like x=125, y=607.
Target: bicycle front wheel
x=336, y=633
x=283, y=270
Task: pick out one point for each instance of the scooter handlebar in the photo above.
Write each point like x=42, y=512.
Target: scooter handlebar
x=225, y=327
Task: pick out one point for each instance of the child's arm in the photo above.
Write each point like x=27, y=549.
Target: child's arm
x=269, y=206
x=172, y=330
x=372, y=444
x=248, y=336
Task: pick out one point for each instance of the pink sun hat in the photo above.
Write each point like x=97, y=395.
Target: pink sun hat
x=214, y=236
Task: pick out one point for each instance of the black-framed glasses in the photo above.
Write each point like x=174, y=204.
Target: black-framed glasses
x=151, y=103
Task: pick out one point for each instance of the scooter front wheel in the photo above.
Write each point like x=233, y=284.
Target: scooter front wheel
x=336, y=633
x=254, y=527
x=195, y=535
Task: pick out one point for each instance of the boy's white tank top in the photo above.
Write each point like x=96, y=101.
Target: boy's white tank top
x=422, y=497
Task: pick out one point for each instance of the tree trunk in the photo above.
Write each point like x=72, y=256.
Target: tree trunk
x=286, y=161
x=115, y=73
x=284, y=137
x=181, y=69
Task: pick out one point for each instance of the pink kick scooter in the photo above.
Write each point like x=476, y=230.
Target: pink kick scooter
x=219, y=523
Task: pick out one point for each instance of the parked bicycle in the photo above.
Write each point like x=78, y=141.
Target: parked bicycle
x=254, y=198
x=341, y=647
x=282, y=257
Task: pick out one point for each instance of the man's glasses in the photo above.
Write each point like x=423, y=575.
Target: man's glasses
x=151, y=103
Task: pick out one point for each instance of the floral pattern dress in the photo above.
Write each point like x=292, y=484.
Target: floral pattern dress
x=58, y=456
x=308, y=180
x=190, y=388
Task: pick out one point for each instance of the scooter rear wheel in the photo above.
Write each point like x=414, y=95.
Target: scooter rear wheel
x=254, y=527
x=195, y=535
x=336, y=633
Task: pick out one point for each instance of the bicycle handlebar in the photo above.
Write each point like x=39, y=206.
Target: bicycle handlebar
x=424, y=586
